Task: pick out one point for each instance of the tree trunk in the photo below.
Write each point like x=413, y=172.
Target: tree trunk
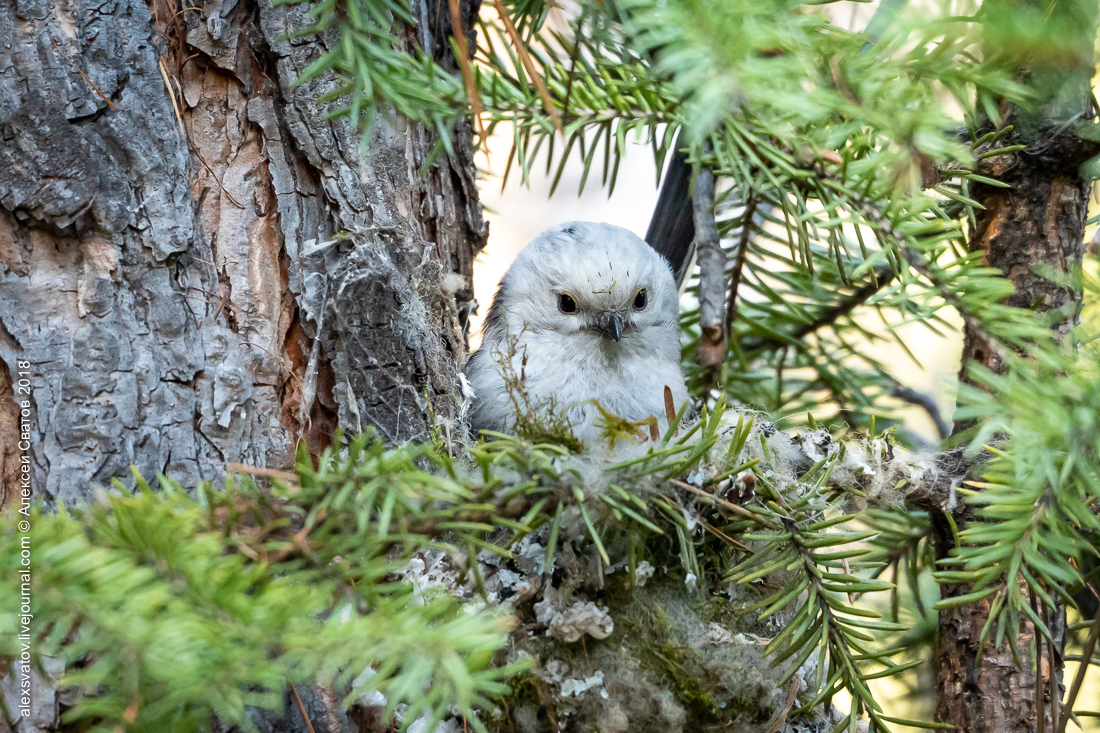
x=1029, y=230
x=165, y=191
x=1039, y=222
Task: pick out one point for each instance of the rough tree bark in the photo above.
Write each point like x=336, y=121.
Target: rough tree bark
x=164, y=192
x=1039, y=221
x=1034, y=227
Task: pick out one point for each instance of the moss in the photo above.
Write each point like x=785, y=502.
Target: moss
x=676, y=661
x=614, y=428
x=524, y=704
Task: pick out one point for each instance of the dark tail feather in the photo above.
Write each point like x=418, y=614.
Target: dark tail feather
x=672, y=228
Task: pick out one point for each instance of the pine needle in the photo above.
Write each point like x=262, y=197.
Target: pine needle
x=529, y=66
x=468, y=78
x=85, y=77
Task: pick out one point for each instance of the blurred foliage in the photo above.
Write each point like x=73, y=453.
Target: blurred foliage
x=169, y=608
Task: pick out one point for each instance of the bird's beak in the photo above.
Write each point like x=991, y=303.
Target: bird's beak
x=610, y=326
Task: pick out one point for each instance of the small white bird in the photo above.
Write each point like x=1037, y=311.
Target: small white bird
x=586, y=312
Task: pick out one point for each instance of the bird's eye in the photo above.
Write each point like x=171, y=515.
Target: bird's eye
x=640, y=300
x=566, y=304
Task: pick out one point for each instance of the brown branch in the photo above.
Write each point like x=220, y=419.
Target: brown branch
x=712, y=270
x=921, y=267
x=725, y=537
x=327, y=693
x=729, y=505
x=129, y=715
x=1055, y=698
x=882, y=277
x=206, y=165
x=305, y=716
x=792, y=696
x=265, y=472
x=572, y=73
x=925, y=402
x=917, y=263
x=1040, y=704
x=172, y=96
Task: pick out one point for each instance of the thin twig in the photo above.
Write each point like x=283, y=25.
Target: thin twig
x=206, y=165
x=84, y=76
x=1082, y=669
x=925, y=402
x=305, y=715
x=882, y=277
x=572, y=69
x=459, y=35
x=298, y=541
x=725, y=537
x=130, y=714
x=176, y=107
x=332, y=715
x=729, y=505
x=1055, y=698
x=712, y=270
x=792, y=696
x=917, y=263
x=529, y=65
x=1040, y=707
x=739, y=264
x=258, y=471
x=172, y=95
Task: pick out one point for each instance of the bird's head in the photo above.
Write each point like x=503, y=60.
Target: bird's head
x=598, y=282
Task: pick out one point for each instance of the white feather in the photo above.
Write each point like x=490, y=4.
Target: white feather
x=562, y=357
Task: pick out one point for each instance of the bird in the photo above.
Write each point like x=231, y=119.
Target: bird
x=587, y=313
